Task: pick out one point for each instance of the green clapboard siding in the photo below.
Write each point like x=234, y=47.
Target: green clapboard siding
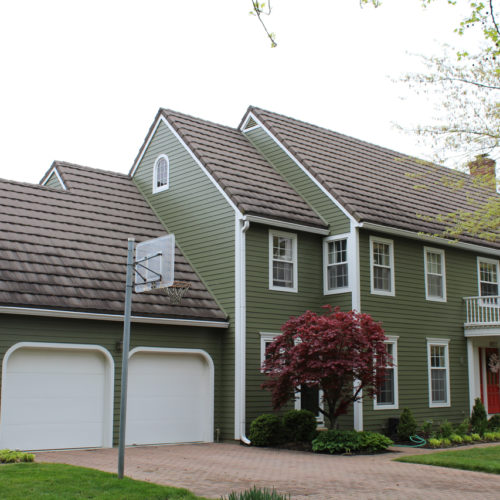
x=294, y=175
x=53, y=182
x=14, y=329
x=268, y=310
x=413, y=318
x=203, y=223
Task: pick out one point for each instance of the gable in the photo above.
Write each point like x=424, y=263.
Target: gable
x=53, y=179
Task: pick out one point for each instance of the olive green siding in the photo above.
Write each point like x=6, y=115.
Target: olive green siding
x=204, y=225
x=14, y=329
x=413, y=318
x=268, y=310
x=294, y=175
x=53, y=182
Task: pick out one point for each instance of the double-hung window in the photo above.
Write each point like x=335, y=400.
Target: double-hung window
x=387, y=394
x=161, y=174
x=382, y=266
x=266, y=338
x=439, y=372
x=435, y=275
x=487, y=270
x=282, y=261
x=336, y=268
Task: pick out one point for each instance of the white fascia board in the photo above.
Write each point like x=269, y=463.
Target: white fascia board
x=54, y=171
x=482, y=332
x=162, y=119
x=286, y=225
x=471, y=247
x=28, y=311
x=305, y=170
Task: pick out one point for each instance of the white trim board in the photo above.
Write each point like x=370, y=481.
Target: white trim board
x=305, y=170
x=48, y=175
x=161, y=119
x=422, y=237
x=26, y=311
x=286, y=225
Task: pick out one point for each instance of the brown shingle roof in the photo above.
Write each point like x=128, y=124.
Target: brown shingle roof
x=375, y=184
x=253, y=185
x=67, y=250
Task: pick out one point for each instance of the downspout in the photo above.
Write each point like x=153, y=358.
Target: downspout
x=356, y=305
x=241, y=228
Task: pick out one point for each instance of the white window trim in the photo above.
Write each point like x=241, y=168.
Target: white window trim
x=443, y=274
x=486, y=261
x=157, y=189
x=445, y=343
x=293, y=237
x=392, y=292
x=350, y=264
x=265, y=337
x=391, y=339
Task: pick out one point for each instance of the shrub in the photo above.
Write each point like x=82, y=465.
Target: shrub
x=456, y=439
x=445, y=442
x=490, y=436
x=407, y=425
x=11, y=457
x=256, y=494
x=467, y=439
x=463, y=428
x=445, y=429
x=478, y=419
x=334, y=441
x=266, y=430
x=494, y=423
x=434, y=443
x=475, y=436
x=427, y=429
x=299, y=425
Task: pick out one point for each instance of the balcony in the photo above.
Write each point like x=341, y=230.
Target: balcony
x=482, y=315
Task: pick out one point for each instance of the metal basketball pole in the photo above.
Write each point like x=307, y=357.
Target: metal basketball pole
x=126, y=348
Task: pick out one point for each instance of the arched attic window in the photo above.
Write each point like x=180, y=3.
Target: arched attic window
x=161, y=174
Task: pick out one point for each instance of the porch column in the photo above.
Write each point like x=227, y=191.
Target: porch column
x=472, y=373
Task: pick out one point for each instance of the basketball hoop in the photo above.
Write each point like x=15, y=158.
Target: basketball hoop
x=176, y=291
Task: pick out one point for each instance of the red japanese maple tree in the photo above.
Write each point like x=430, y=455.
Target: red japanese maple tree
x=341, y=353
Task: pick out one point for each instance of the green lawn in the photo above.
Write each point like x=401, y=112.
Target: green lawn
x=66, y=482
x=478, y=459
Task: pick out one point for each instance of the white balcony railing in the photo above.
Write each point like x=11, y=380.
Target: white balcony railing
x=483, y=311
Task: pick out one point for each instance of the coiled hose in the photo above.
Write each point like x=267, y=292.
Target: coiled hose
x=419, y=441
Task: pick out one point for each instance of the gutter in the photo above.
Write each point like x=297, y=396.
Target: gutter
x=241, y=227
x=54, y=313
x=433, y=239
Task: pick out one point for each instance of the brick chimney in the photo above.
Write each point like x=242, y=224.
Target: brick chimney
x=483, y=168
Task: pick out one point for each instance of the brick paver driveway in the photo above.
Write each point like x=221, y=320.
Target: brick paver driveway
x=213, y=470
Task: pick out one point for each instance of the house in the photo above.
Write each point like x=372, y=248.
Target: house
x=271, y=218
x=62, y=267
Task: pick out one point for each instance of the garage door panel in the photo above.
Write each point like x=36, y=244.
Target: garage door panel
x=55, y=398
x=169, y=398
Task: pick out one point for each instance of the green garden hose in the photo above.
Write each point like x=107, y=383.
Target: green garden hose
x=419, y=441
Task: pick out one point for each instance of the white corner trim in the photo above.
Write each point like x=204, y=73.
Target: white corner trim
x=110, y=376
x=54, y=171
x=358, y=409
x=54, y=313
x=471, y=247
x=305, y=170
x=286, y=225
x=356, y=281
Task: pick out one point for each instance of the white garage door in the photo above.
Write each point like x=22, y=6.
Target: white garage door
x=55, y=398
x=170, y=398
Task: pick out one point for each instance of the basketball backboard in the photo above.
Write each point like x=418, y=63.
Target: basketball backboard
x=154, y=263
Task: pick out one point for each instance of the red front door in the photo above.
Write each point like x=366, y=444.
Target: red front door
x=492, y=371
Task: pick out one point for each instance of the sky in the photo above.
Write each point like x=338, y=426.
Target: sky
x=81, y=81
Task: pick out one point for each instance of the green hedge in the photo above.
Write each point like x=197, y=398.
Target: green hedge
x=335, y=441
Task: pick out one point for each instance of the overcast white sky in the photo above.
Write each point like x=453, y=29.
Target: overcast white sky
x=81, y=81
